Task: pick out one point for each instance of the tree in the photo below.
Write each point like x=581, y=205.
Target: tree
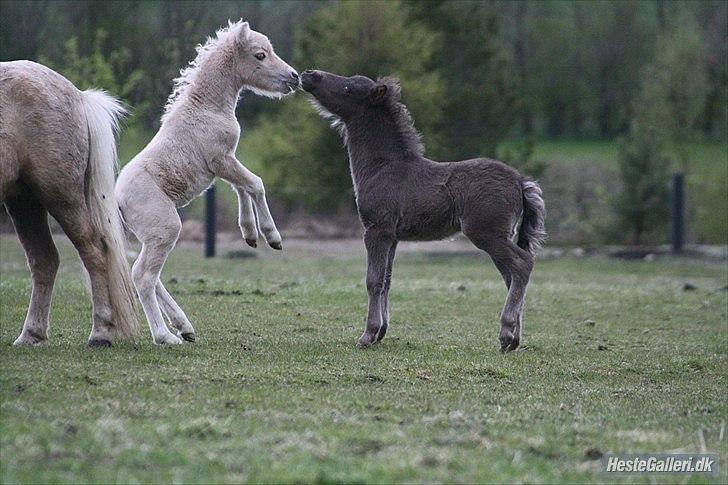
x=101, y=71
x=677, y=77
x=644, y=169
x=480, y=107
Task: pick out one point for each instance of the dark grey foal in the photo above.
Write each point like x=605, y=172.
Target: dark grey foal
x=401, y=195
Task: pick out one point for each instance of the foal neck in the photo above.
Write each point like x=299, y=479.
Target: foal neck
x=218, y=90
x=378, y=138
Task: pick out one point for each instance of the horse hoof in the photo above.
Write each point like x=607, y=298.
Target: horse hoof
x=252, y=243
x=276, y=245
x=168, y=340
x=509, y=343
x=99, y=342
x=189, y=336
x=366, y=340
x=32, y=339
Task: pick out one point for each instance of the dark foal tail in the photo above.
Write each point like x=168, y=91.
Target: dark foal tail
x=532, y=234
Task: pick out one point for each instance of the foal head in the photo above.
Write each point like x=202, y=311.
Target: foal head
x=259, y=68
x=346, y=97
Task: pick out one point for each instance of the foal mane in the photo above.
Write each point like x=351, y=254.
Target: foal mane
x=403, y=121
x=188, y=75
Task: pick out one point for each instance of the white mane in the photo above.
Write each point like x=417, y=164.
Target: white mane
x=188, y=75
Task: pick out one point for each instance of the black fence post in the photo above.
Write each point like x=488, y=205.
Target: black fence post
x=210, y=222
x=678, y=205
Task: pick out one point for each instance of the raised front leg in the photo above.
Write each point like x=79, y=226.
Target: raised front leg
x=247, y=220
x=378, y=246
x=231, y=170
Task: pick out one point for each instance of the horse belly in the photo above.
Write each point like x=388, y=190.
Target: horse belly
x=427, y=225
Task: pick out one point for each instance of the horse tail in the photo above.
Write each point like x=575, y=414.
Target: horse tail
x=532, y=233
x=103, y=113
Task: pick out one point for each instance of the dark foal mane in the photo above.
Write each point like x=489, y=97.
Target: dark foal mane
x=405, y=126
x=403, y=121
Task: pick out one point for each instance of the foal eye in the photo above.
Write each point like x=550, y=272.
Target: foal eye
x=260, y=56
x=346, y=89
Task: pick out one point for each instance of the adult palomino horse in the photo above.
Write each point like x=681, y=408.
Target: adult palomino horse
x=195, y=144
x=401, y=195
x=57, y=156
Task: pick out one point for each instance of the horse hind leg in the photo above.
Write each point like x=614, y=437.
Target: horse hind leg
x=75, y=219
x=515, y=265
x=31, y=224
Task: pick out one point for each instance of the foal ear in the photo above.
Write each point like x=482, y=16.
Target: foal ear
x=244, y=31
x=378, y=93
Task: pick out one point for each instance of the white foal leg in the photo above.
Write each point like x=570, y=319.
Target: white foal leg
x=175, y=314
x=153, y=218
x=145, y=272
x=247, y=220
x=231, y=170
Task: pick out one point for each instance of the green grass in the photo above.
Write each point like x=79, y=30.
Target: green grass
x=275, y=390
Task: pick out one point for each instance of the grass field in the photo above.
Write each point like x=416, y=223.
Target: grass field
x=618, y=358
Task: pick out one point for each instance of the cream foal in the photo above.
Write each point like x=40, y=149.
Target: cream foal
x=195, y=144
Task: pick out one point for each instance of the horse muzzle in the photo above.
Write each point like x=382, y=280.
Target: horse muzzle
x=309, y=79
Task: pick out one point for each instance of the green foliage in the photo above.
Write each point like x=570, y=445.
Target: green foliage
x=644, y=169
x=521, y=156
x=97, y=70
x=676, y=81
x=479, y=108
x=304, y=161
x=644, y=166
x=666, y=114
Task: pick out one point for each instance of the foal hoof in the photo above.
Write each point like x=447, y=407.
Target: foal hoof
x=366, y=340
x=99, y=342
x=509, y=342
x=167, y=339
x=30, y=339
x=276, y=245
x=252, y=243
x=189, y=336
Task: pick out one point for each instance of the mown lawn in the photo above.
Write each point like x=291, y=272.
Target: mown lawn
x=275, y=390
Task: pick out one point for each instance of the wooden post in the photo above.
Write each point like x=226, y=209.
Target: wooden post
x=678, y=206
x=210, y=222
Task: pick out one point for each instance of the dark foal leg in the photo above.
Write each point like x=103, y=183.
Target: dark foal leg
x=378, y=246
x=520, y=265
x=31, y=224
x=515, y=265
x=385, y=292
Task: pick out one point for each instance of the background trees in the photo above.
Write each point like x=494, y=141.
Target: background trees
x=491, y=78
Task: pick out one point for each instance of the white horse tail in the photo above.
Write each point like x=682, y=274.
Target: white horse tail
x=103, y=113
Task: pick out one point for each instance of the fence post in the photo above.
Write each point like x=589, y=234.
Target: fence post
x=210, y=222
x=678, y=205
